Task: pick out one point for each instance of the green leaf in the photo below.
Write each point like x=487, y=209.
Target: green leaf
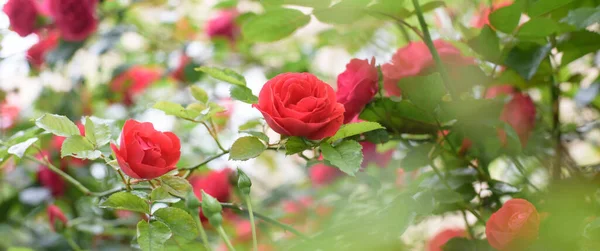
x=243, y=94
x=273, y=25
x=227, y=75
x=429, y=6
x=174, y=109
x=412, y=89
x=259, y=135
x=525, y=59
x=57, y=125
x=513, y=144
x=179, y=221
x=347, y=156
x=502, y=188
x=344, y=12
x=583, y=17
x=578, y=44
x=464, y=244
x=487, y=44
x=79, y=147
x=97, y=131
x=175, y=185
x=152, y=236
x=20, y=148
x=349, y=130
x=399, y=117
x=160, y=194
x=250, y=125
x=305, y=3
x=246, y=148
x=126, y=201
x=506, y=19
x=387, y=8
x=538, y=27
x=295, y=145
x=539, y=8
x=416, y=157
x=199, y=94
x=447, y=196
x=63, y=52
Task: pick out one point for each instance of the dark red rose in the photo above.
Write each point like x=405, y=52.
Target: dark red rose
x=22, y=15
x=514, y=226
x=439, y=240
x=371, y=155
x=55, y=215
x=357, y=86
x=214, y=183
x=416, y=60
x=519, y=112
x=146, y=153
x=76, y=19
x=299, y=104
x=36, y=53
x=321, y=174
x=51, y=180
x=481, y=18
x=179, y=72
x=223, y=25
x=134, y=81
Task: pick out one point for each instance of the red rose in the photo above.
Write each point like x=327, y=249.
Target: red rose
x=513, y=226
x=519, y=112
x=49, y=179
x=223, y=25
x=54, y=214
x=179, y=72
x=134, y=81
x=371, y=155
x=76, y=19
x=146, y=153
x=214, y=183
x=22, y=15
x=36, y=53
x=415, y=60
x=357, y=86
x=321, y=174
x=299, y=104
x=481, y=18
x=439, y=240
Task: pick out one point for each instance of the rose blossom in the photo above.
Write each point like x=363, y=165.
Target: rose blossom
x=322, y=174
x=440, y=239
x=76, y=19
x=22, y=15
x=52, y=181
x=134, y=81
x=223, y=25
x=357, y=85
x=519, y=112
x=146, y=153
x=513, y=226
x=54, y=215
x=416, y=60
x=214, y=183
x=36, y=53
x=299, y=104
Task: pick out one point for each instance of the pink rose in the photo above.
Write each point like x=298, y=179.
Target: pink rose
x=514, y=226
x=36, y=54
x=371, y=155
x=519, y=112
x=22, y=15
x=134, y=81
x=439, y=240
x=8, y=115
x=76, y=19
x=357, y=86
x=416, y=60
x=223, y=25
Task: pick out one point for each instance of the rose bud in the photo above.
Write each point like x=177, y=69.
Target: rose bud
x=56, y=217
x=133, y=82
x=439, y=240
x=51, y=180
x=179, y=72
x=416, y=60
x=223, y=25
x=357, y=86
x=481, y=17
x=37, y=53
x=214, y=183
x=146, y=153
x=299, y=104
x=76, y=19
x=514, y=226
x=22, y=15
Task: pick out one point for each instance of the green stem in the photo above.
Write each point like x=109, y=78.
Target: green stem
x=214, y=136
x=433, y=51
x=201, y=229
x=251, y=215
x=267, y=219
x=64, y=175
x=462, y=203
x=469, y=228
x=72, y=242
x=190, y=169
x=521, y=169
x=127, y=185
x=225, y=238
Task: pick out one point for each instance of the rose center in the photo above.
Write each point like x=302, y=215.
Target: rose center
x=517, y=220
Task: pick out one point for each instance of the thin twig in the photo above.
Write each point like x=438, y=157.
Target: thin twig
x=268, y=219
